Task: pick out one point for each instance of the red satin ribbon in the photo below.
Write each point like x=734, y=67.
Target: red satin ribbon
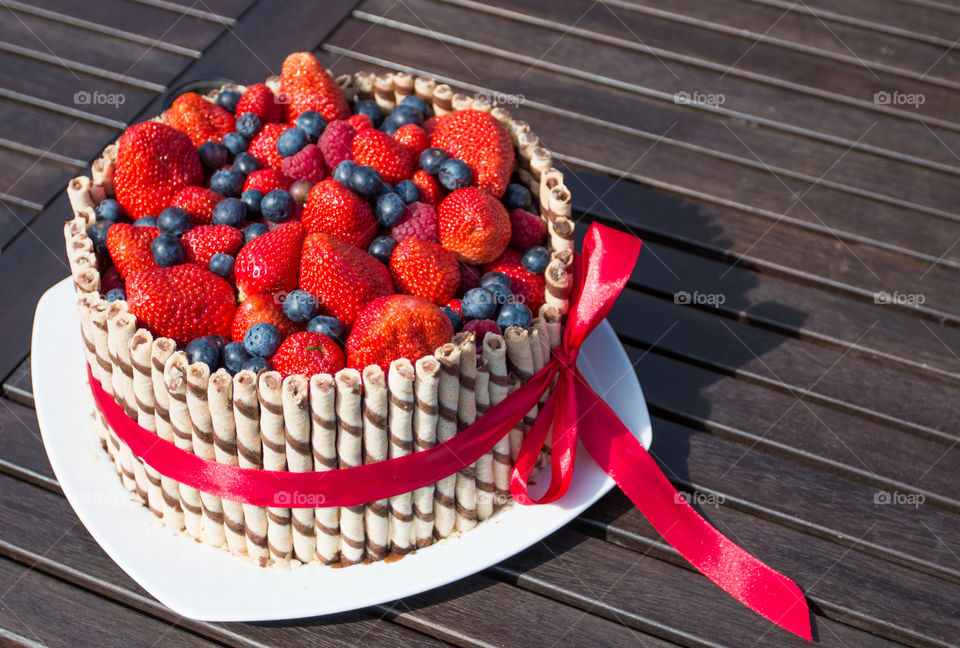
x=572, y=411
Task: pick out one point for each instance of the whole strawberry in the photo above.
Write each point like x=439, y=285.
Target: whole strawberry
x=265, y=307
x=202, y=242
x=527, y=230
x=419, y=221
x=336, y=142
x=425, y=269
x=307, y=164
x=263, y=146
x=181, y=302
x=397, y=326
x=474, y=225
x=479, y=140
x=430, y=191
x=414, y=138
x=342, y=277
x=388, y=156
x=528, y=287
x=260, y=100
x=266, y=180
x=199, y=202
x=202, y=120
x=334, y=209
x=129, y=248
x=360, y=121
x=271, y=262
x=308, y=354
x=307, y=85
x=154, y=162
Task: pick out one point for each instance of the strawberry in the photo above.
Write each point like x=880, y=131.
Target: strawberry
x=479, y=140
x=307, y=164
x=342, y=277
x=473, y=225
x=336, y=142
x=202, y=242
x=527, y=229
x=308, y=354
x=308, y=86
x=430, y=191
x=333, y=209
x=260, y=100
x=397, y=326
x=270, y=262
x=528, y=287
x=456, y=306
x=129, y=247
x=414, y=138
x=265, y=307
x=429, y=125
x=183, y=302
x=154, y=162
x=263, y=146
x=480, y=328
x=388, y=156
x=266, y=180
x=425, y=269
x=419, y=221
x=360, y=121
x=199, y=201
x=202, y=120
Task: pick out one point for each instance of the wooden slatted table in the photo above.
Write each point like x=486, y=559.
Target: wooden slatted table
x=794, y=318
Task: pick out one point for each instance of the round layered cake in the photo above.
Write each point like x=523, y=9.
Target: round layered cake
x=316, y=273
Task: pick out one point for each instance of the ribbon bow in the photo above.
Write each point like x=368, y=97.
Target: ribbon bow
x=572, y=411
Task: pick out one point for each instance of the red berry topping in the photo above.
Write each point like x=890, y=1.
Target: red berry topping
x=202, y=242
x=271, y=262
x=359, y=121
x=527, y=287
x=527, y=229
x=262, y=308
x=397, y=326
x=479, y=140
x=473, y=225
x=202, y=120
x=333, y=209
x=110, y=279
x=199, y=202
x=430, y=191
x=308, y=354
x=469, y=277
x=480, y=328
x=455, y=305
x=129, y=247
x=425, y=269
x=266, y=180
x=388, y=156
x=307, y=164
x=336, y=142
x=307, y=85
x=419, y=221
x=263, y=146
x=260, y=100
x=414, y=138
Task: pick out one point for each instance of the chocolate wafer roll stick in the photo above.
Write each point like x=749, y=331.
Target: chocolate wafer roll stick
x=549, y=179
x=502, y=115
x=364, y=81
x=383, y=92
x=460, y=101
x=326, y=521
x=102, y=171
x=424, y=87
x=559, y=282
x=466, y=483
x=78, y=193
x=141, y=347
x=98, y=317
x=121, y=326
x=347, y=85
x=220, y=400
x=161, y=349
x=540, y=161
x=482, y=103
x=198, y=379
x=485, y=463
x=425, y=416
x=87, y=279
x=84, y=304
x=400, y=379
x=402, y=86
x=279, y=536
x=349, y=442
x=246, y=415
x=521, y=364
x=296, y=421
x=495, y=355
x=448, y=396
x=376, y=515
x=561, y=227
x=175, y=378
x=442, y=99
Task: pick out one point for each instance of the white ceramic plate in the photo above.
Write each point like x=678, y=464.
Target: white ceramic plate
x=201, y=582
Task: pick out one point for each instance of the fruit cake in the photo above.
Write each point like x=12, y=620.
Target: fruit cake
x=314, y=273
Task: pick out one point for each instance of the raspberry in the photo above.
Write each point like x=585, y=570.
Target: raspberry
x=528, y=229
x=419, y=221
x=336, y=141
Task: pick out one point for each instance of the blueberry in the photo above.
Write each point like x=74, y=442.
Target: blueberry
x=300, y=190
x=300, y=306
x=478, y=303
x=245, y=163
x=312, y=124
x=235, y=143
x=174, y=221
x=343, y=172
x=201, y=350
x=514, y=314
x=454, y=174
x=431, y=159
x=218, y=341
x=234, y=355
x=248, y=125
x=329, y=326
x=455, y=318
x=116, y=295
x=386, y=188
x=516, y=197
x=381, y=248
x=222, y=264
x=390, y=126
x=278, y=206
x=291, y=141
x=146, y=221
x=110, y=210
x=262, y=339
x=366, y=181
x=403, y=115
x=256, y=364
x=497, y=283
x=230, y=211
x=416, y=103
x=389, y=209
x=536, y=259
x=369, y=108
x=228, y=99
x=408, y=191
x=251, y=199
x=227, y=182
x=213, y=155
x=98, y=235
x=254, y=230
x=167, y=251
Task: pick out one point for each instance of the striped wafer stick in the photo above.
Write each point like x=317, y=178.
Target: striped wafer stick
x=495, y=355
x=349, y=437
x=296, y=421
x=141, y=346
x=86, y=333
x=120, y=328
x=102, y=171
x=540, y=161
x=348, y=86
x=78, y=193
x=383, y=92
x=326, y=520
x=161, y=350
x=550, y=319
x=365, y=82
x=548, y=180
x=402, y=86
x=442, y=99
x=220, y=399
x=269, y=384
x=485, y=463
x=521, y=363
x=502, y=115
x=198, y=379
x=246, y=415
x=448, y=395
x=559, y=283
x=482, y=103
x=460, y=101
x=424, y=87
x=376, y=515
x=466, y=484
x=175, y=378
x=425, y=416
x=400, y=379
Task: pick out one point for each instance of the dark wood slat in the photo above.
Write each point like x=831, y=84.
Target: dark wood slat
x=227, y=8
x=60, y=134
x=30, y=180
x=12, y=221
x=18, y=386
